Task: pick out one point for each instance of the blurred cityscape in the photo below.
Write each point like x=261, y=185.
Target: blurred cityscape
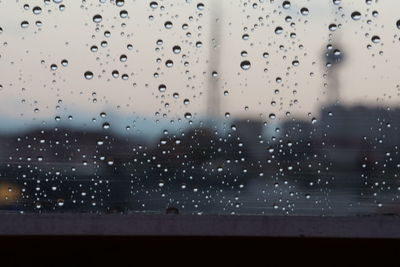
x=345, y=160
x=353, y=150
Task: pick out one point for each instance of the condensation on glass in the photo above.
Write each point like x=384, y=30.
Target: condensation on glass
x=200, y=107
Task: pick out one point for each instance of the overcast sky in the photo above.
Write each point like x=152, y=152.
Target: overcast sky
x=31, y=91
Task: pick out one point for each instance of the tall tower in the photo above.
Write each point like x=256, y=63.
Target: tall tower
x=333, y=57
x=213, y=88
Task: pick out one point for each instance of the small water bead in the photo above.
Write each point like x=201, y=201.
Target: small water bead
x=53, y=67
x=162, y=88
x=304, y=11
x=398, y=24
x=168, y=25
x=176, y=49
x=375, y=39
x=106, y=126
x=119, y=3
x=332, y=27
x=115, y=73
x=24, y=24
x=60, y=202
x=245, y=65
x=123, y=58
x=153, y=5
x=356, y=15
x=278, y=30
x=188, y=115
x=88, y=75
x=97, y=18
x=169, y=63
x=336, y=2
x=200, y=6
x=123, y=14
x=94, y=48
x=64, y=62
x=37, y=10
x=286, y=4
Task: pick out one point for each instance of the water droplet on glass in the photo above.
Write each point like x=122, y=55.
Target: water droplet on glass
x=24, y=24
x=375, y=39
x=88, y=75
x=356, y=15
x=168, y=25
x=304, y=11
x=37, y=10
x=278, y=30
x=245, y=65
x=97, y=18
x=162, y=88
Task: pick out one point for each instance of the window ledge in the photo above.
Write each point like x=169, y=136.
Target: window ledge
x=204, y=225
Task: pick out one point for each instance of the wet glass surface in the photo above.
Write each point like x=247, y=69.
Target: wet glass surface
x=200, y=107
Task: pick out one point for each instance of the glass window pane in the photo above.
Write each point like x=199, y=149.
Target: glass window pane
x=200, y=107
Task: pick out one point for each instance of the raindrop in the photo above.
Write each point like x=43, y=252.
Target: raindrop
x=119, y=2
x=153, y=5
x=332, y=27
x=375, y=39
x=168, y=25
x=106, y=126
x=176, y=49
x=162, y=88
x=278, y=30
x=286, y=4
x=97, y=18
x=123, y=58
x=169, y=63
x=123, y=14
x=245, y=65
x=88, y=75
x=64, y=62
x=188, y=115
x=37, y=10
x=304, y=11
x=24, y=24
x=200, y=6
x=356, y=15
